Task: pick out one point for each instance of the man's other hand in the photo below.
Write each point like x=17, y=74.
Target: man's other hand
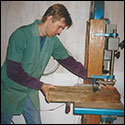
x=45, y=87
x=111, y=87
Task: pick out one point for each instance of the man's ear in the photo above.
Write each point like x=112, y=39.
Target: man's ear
x=50, y=18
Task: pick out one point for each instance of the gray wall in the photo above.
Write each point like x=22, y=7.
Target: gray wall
x=17, y=13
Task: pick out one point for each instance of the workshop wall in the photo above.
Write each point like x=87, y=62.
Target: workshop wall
x=17, y=13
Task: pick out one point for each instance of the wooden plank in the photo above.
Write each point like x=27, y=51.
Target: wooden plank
x=84, y=95
x=103, y=105
x=96, y=46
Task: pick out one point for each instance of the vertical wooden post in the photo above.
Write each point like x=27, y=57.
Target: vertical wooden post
x=96, y=48
x=86, y=47
x=91, y=119
x=94, y=58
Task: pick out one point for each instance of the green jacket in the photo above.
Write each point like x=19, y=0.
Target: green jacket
x=24, y=47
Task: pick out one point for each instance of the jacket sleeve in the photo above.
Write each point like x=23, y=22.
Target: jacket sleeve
x=75, y=67
x=16, y=73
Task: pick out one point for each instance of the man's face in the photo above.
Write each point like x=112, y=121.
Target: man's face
x=55, y=27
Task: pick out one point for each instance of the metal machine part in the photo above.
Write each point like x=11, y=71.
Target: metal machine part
x=107, y=119
x=110, y=28
x=105, y=80
x=96, y=10
x=111, y=38
x=107, y=55
x=121, y=45
x=97, y=111
x=117, y=53
x=113, y=44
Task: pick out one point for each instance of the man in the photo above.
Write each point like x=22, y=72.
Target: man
x=29, y=50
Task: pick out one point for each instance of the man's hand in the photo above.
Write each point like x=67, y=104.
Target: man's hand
x=45, y=87
x=111, y=87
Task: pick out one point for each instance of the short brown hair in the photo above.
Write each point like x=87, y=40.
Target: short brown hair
x=58, y=11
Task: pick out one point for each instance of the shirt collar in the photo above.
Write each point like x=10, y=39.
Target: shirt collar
x=35, y=31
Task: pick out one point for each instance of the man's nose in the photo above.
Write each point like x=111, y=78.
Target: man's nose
x=59, y=31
